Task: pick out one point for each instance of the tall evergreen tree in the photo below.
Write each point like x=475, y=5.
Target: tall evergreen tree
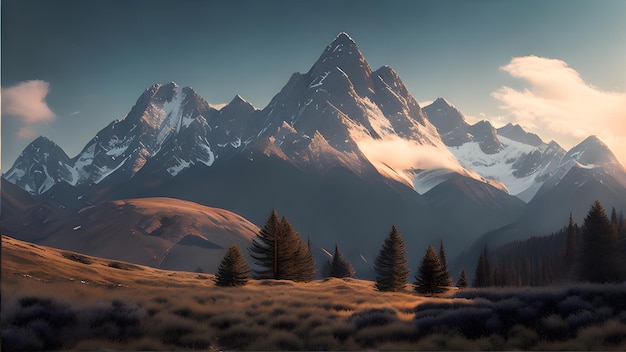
x=391, y=264
x=300, y=265
x=264, y=248
x=570, y=245
x=614, y=217
x=600, y=255
x=280, y=253
x=482, y=276
x=431, y=278
x=233, y=269
x=444, y=265
x=338, y=266
x=462, y=282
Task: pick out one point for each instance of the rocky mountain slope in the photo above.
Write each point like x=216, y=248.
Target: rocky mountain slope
x=343, y=150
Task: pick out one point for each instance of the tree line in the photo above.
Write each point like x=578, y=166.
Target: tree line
x=280, y=253
x=594, y=252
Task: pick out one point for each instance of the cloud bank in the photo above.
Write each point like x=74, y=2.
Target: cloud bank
x=27, y=102
x=560, y=105
x=395, y=157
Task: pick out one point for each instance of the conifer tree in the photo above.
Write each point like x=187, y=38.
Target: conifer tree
x=599, y=256
x=280, y=253
x=391, y=264
x=614, y=217
x=482, y=276
x=444, y=265
x=264, y=248
x=338, y=266
x=570, y=245
x=299, y=264
x=462, y=282
x=233, y=269
x=430, y=278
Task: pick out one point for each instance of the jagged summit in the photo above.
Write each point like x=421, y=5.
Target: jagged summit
x=342, y=58
x=238, y=100
x=449, y=121
x=591, y=151
x=43, y=141
x=442, y=102
x=342, y=38
x=517, y=133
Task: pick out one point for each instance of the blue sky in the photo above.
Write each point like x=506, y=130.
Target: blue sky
x=71, y=67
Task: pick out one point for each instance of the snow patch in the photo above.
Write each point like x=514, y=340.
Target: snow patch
x=171, y=116
x=318, y=81
x=182, y=165
x=236, y=143
x=105, y=172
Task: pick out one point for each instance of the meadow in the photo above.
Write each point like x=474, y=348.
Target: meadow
x=58, y=300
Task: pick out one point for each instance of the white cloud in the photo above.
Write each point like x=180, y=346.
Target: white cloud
x=402, y=154
x=395, y=157
x=560, y=105
x=27, y=100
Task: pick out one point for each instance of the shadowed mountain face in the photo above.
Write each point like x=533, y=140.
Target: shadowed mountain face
x=344, y=151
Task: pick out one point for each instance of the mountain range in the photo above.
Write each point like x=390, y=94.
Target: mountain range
x=342, y=150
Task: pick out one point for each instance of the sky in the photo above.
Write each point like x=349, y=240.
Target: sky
x=69, y=68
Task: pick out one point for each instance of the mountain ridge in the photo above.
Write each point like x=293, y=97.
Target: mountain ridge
x=347, y=149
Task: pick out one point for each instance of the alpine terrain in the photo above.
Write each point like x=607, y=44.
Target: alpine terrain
x=344, y=151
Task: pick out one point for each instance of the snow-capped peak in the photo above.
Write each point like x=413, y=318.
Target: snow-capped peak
x=591, y=151
x=343, y=38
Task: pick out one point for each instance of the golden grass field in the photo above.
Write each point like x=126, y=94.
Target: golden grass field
x=54, y=299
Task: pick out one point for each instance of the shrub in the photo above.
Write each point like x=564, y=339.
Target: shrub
x=572, y=304
x=124, y=266
x=522, y=337
x=396, y=332
x=76, y=257
x=373, y=317
x=115, y=320
x=50, y=322
x=279, y=340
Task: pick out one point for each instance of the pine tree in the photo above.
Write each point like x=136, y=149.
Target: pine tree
x=570, y=245
x=482, y=276
x=338, y=266
x=599, y=256
x=444, y=265
x=280, y=253
x=264, y=248
x=391, y=264
x=431, y=278
x=614, y=217
x=462, y=282
x=233, y=269
x=300, y=266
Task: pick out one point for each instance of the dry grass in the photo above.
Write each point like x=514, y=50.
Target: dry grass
x=51, y=301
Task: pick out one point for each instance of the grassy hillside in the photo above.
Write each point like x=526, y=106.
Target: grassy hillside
x=54, y=299
x=163, y=233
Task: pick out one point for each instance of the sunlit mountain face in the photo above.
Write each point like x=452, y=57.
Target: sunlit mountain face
x=343, y=150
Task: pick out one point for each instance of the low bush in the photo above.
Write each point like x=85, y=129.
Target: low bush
x=373, y=317
x=76, y=257
x=124, y=266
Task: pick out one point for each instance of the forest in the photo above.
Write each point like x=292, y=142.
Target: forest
x=592, y=252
